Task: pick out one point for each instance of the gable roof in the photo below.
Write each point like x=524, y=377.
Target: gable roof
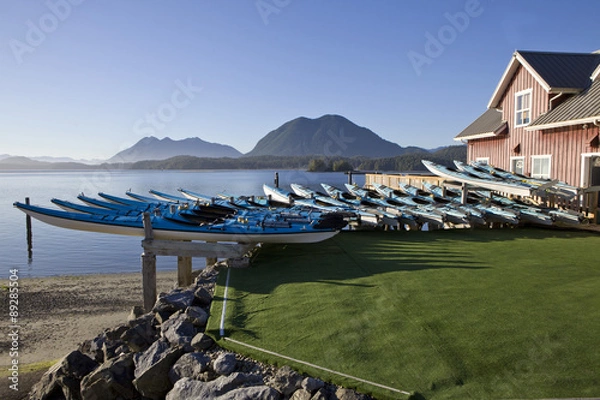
x=579, y=109
x=555, y=72
x=488, y=124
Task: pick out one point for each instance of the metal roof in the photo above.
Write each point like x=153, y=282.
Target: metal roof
x=581, y=108
x=555, y=72
x=488, y=124
x=563, y=70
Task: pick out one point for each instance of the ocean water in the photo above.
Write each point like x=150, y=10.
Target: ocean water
x=58, y=251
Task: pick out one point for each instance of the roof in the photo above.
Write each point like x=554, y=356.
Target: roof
x=581, y=108
x=555, y=72
x=489, y=124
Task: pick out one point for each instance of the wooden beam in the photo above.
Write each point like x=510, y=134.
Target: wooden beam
x=195, y=249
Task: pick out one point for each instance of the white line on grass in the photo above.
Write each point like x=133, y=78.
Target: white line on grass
x=222, y=326
x=312, y=365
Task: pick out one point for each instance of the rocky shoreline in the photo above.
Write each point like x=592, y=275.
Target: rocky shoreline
x=166, y=354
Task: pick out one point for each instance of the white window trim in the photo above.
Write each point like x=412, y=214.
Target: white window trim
x=585, y=166
x=521, y=158
x=542, y=156
x=521, y=93
x=485, y=160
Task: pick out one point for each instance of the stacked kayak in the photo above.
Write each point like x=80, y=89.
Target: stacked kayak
x=217, y=220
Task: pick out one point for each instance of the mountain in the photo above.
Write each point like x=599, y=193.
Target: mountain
x=19, y=162
x=151, y=148
x=329, y=135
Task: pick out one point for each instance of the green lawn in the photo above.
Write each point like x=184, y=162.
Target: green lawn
x=506, y=313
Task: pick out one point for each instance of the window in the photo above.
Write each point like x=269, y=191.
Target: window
x=483, y=160
x=540, y=167
x=517, y=165
x=523, y=108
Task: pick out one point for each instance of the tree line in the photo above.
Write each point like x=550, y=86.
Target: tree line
x=406, y=162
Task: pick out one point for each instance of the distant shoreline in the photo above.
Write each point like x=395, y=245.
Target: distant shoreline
x=405, y=162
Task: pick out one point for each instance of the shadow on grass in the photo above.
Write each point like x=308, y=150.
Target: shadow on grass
x=352, y=255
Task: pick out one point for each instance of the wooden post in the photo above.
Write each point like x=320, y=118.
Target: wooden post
x=184, y=271
x=210, y=261
x=29, y=234
x=465, y=194
x=148, y=268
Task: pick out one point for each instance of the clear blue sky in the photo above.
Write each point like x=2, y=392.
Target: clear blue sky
x=87, y=79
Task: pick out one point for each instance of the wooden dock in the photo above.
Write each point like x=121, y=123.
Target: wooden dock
x=184, y=251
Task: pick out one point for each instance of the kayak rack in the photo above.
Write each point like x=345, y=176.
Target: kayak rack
x=184, y=251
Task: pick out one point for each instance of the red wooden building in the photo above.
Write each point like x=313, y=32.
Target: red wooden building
x=543, y=118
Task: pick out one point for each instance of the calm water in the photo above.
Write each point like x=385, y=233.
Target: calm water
x=59, y=251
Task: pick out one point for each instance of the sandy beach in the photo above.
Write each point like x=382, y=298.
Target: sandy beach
x=56, y=314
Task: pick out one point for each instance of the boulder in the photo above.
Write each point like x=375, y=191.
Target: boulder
x=225, y=364
x=112, y=380
x=202, y=297
x=190, y=389
x=178, y=331
x=140, y=336
x=178, y=299
x=197, y=316
x=202, y=341
x=152, y=369
x=136, y=312
x=286, y=381
x=63, y=379
x=320, y=394
x=190, y=365
x=262, y=392
x=348, y=394
x=301, y=394
x=112, y=349
x=311, y=384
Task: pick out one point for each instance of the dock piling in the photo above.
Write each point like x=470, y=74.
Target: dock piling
x=29, y=233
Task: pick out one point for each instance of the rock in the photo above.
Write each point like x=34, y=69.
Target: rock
x=301, y=394
x=286, y=381
x=202, y=297
x=136, y=312
x=262, y=392
x=190, y=365
x=197, y=316
x=140, y=336
x=112, y=349
x=202, y=341
x=225, y=364
x=178, y=331
x=152, y=369
x=173, y=301
x=112, y=380
x=95, y=347
x=348, y=394
x=311, y=384
x=321, y=394
x=63, y=379
x=190, y=389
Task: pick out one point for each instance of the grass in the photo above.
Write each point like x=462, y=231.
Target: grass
x=28, y=368
x=510, y=313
